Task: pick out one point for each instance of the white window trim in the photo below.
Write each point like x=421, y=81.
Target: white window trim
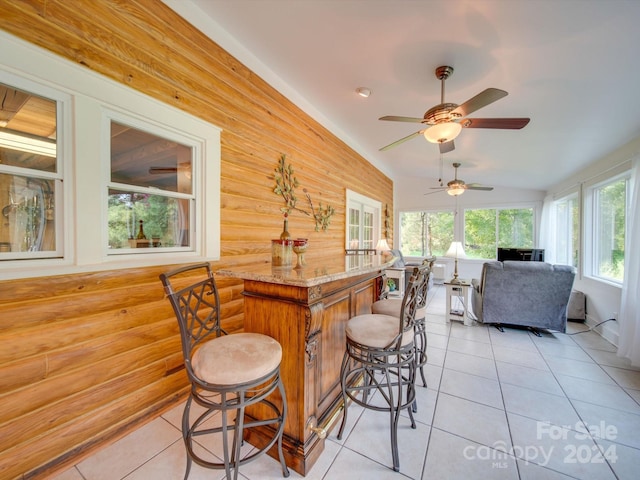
x=573, y=194
x=82, y=149
x=62, y=171
x=354, y=199
x=589, y=241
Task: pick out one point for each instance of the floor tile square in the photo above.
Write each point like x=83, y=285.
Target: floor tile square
x=455, y=458
x=598, y=393
x=557, y=448
x=124, y=456
x=471, y=420
x=483, y=367
x=541, y=406
x=528, y=377
x=472, y=387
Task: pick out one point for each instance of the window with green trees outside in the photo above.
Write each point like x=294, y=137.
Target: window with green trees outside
x=487, y=229
x=426, y=233
x=610, y=205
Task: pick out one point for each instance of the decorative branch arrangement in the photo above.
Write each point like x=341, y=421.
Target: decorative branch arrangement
x=387, y=224
x=286, y=183
x=322, y=216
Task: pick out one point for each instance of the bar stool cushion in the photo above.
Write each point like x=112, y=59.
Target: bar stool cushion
x=237, y=358
x=392, y=306
x=375, y=330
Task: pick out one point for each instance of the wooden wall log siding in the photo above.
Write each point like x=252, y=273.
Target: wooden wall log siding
x=86, y=358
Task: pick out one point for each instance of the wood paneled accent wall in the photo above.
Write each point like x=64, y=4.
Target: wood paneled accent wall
x=85, y=358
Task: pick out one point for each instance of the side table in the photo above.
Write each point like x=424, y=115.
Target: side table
x=396, y=275
x=458, y=301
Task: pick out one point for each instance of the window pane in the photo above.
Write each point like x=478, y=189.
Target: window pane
x=354, y=228
x=487, y=229
x=27, y=130
x=567, y=230
x=439, y=232
x=139, y=220
x=28, y=216
x=146, y=160
x=515, y=228
x=610, y=230
x=426, y=233
x=367, y=230
x=480, y=233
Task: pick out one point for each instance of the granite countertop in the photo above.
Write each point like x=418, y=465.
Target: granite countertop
x=316, y=272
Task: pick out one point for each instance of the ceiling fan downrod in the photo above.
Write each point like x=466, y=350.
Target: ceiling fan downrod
x=442, y=73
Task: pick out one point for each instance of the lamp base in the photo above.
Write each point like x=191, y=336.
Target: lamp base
x=455, y=280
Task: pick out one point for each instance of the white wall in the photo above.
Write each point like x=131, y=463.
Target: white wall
x=603, y=299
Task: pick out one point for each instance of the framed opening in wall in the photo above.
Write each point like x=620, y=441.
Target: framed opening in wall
x=151, y=194
x=363, y=221
x=30, y=175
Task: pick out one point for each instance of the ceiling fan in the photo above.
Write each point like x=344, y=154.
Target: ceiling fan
x=457, y=187
x=183, y=167
x=444, y=122
x=162, y=170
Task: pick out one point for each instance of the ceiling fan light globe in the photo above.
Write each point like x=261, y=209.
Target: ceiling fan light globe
x=442, y=132
x=455, y=191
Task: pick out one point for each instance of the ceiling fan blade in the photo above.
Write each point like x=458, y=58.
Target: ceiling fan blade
x=447, y=147
x=393, y=118
x=162, y=170
x=477, y=186
x=504, y=123
x=483, y=99
x=402, y=140
x=436, y=190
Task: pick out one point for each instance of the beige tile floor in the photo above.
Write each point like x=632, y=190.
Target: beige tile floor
x=499, y=405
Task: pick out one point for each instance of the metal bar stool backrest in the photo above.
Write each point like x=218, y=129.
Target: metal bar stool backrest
x=424, y=287
x=411, y=300
x=196, y=306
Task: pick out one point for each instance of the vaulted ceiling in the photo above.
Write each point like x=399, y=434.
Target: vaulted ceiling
x=571, y=66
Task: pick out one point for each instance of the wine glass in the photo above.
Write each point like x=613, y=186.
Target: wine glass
x=299, y=247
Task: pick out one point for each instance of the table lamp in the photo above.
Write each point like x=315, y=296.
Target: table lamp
x=455, y=251
x=382, y=246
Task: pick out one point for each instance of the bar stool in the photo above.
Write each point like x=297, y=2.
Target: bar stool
x=393, y=306
x=380, y=357
x=227, y=373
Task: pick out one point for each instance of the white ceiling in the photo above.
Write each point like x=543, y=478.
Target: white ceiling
x=572, y=66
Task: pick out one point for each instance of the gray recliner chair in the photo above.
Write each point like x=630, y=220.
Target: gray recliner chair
x=529, y=294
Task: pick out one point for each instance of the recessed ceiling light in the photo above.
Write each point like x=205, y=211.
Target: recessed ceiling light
x=363, y=91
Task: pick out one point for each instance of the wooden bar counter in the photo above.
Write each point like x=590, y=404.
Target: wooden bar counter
x=306, y=310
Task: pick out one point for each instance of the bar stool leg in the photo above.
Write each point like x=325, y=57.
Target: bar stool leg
x=285, y=469
x=185, y=435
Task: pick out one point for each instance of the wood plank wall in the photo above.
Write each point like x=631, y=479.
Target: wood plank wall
x=86, y=358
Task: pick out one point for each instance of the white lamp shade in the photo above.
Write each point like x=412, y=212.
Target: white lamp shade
x=382, y=245
x=442, y=132
x=455, y=251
